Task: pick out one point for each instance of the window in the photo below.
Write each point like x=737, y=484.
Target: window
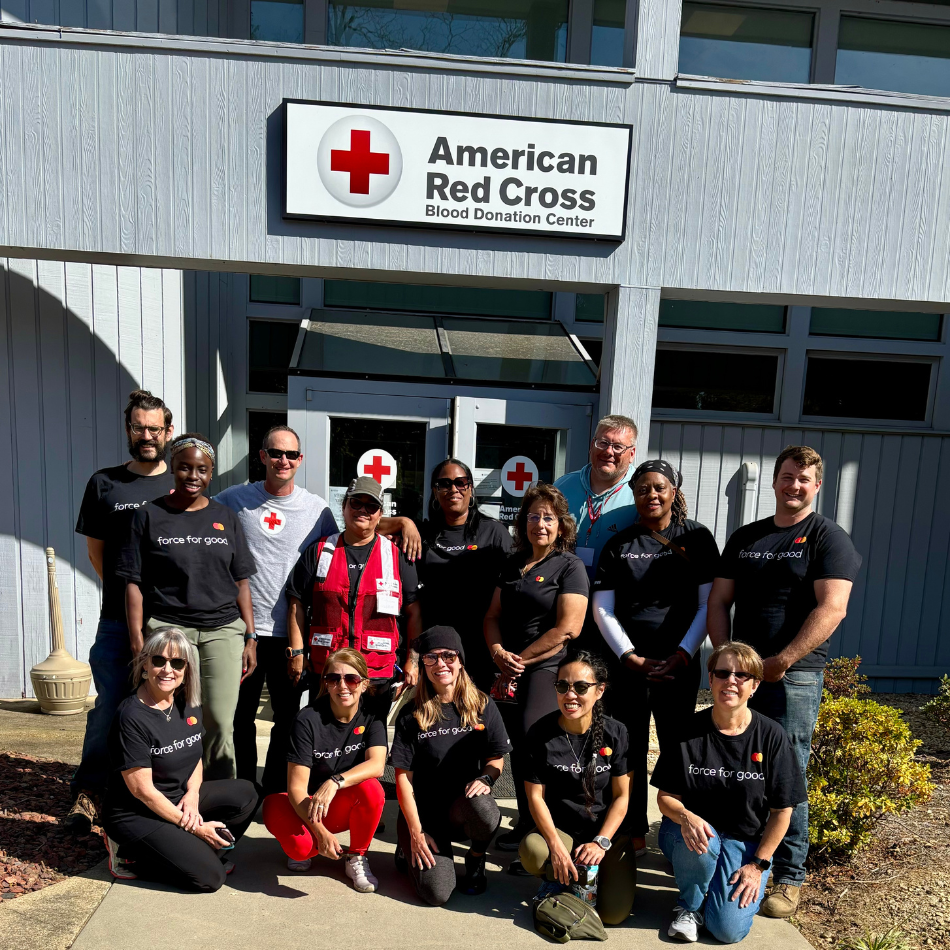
x=715, y=379
x=363, y=295
x=269, y=351
x=275, y=289
x=706, y=315
x=876, y=324
x=511, y=29
x=746, y=43
x=606, y=41
x=886, y=54
x=280, y=21
x=257, y=425
x=867, y=389
x=590, y=308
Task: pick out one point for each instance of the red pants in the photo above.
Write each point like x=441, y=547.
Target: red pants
x=357, y=809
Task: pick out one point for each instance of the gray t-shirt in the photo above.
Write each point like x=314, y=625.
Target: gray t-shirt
x=278, y=529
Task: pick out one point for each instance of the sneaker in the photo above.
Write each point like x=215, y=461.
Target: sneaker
x=475, y=881
x=401, y=862
x=227, y=865
x=300, y=866
x=782, y=901
x=686, y=924
x=118, y=867
x=83, y=815
x=359, y=872
x=517, y=869
x=546, y=889
x=511, y=840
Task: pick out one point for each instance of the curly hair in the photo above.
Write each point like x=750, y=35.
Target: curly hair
x=567, y=530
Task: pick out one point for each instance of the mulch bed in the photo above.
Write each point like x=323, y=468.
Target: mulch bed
x=35, y=851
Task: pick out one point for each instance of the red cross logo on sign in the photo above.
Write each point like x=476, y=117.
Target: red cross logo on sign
x=378, y=464
x=359, y=161
x=376, y=469
x=517, y=474
x=272, y=522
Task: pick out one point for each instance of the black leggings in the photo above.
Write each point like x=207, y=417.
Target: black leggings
x=177, y=857
x=535, y=697
x=475, y=819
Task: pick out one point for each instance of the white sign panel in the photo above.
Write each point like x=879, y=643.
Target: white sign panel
x=446, y=169
x=517, y=474
x=378, y=464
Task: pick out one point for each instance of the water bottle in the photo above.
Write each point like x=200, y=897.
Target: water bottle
x=585, y=887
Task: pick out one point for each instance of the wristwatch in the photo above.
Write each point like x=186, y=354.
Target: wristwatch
x=763, y=864
x=250, y=635
x=338, y=779
x=291, y=652
x=602, y=841
x=487, y=779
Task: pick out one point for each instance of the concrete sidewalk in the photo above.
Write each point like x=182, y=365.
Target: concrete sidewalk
x=264, y=905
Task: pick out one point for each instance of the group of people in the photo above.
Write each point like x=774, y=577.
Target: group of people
x=504, y=650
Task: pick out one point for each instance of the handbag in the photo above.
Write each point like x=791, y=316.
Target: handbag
x=562, y=917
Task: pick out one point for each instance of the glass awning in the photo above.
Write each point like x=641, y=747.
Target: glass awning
x=474, y=349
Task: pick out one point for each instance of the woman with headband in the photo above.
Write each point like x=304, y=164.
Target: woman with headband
x=186, y=564
x=649, y=601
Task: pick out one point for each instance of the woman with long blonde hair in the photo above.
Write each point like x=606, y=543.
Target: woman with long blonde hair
x=448, y=752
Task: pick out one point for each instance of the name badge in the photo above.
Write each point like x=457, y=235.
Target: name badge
x=322, y=640
x=586, y=555
x=383, y=644
x=383, y=585
x=387, y=604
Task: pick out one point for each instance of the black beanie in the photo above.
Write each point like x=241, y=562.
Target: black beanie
x=439, y=638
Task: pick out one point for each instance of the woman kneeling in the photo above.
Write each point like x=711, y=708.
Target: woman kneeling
x=726, y=792
x=337, y=754
x=162, y=822
x=578, y=789
x=448, y=751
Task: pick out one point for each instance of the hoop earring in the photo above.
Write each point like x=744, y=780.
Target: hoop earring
x=471, y=501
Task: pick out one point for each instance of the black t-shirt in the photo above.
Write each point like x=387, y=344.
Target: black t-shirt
x=142, y=737
x=732, y=781
x=187, y=562
x=445, y=758
x=656, y=589
x=111, y=498
x=459, y=573
x=558, y=760
x=529, y=603
x=327, y=746
x=775, y=570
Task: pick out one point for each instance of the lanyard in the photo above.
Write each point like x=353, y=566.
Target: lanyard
x=594, y=513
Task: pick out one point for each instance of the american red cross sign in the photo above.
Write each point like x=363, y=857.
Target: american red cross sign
x=517, y=474
x=378, y=464
x=360, y=161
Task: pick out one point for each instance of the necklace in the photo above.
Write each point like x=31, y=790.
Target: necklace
x=151, y=704
x=570, y=745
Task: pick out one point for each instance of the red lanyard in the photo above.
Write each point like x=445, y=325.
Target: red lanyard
x=593, y=514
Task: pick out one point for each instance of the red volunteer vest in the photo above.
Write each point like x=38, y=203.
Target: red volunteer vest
x=378, y=603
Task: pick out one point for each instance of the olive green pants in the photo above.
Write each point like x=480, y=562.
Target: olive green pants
x=219, y=661
x=617, y=878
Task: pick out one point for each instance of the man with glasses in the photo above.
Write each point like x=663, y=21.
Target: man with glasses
x=348, y=589
x=111, y=498
x=598, y=495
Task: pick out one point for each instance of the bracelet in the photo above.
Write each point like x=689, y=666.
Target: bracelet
x=623, y=656
x=686, y=656
x=487, y=779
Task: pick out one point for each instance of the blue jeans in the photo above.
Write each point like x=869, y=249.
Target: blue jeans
x=793, y=703
x=706, y=877
x=110, y=659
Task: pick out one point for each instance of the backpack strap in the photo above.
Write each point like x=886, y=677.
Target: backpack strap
x=666, y=542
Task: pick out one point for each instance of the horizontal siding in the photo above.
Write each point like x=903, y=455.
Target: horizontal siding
x=75, y=340
x=883, y=489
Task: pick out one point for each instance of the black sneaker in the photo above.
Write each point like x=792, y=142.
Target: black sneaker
x=511, y=840
x=399, y=858
x=475, y=881
x=517, y=869
x=83, y=815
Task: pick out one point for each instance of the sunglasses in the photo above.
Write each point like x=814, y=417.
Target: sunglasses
x=447, y=484
x=535, y=518
x=177, y=663
x=292, y=454
x=580, y=687
x=351, y=679
x=741, y=677
x=370, y=507
x=432, y=659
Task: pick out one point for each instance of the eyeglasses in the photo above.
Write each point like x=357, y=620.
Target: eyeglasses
x=351, y=679
x=370, y=507
x=152, y=430
x=177, y=663
x=740, y=676
x=447, y=484
x=447, y=656
x=603, y=445
x=534, y=518
x=292, y=454
x=580, y=687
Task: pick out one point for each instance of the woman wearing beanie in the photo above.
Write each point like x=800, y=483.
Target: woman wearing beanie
x=448, y=752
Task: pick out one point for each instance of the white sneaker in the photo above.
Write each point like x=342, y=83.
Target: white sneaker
x=299, y=866
x=358, y=871
x=686, y=924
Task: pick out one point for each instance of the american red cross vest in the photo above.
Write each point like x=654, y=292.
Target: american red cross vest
x=378, y=603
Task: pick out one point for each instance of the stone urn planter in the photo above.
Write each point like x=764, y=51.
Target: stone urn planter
x=61, y=682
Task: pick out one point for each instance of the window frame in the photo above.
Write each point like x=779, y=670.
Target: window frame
x=248, y=320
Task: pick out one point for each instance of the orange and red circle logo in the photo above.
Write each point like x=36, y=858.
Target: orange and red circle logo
x=606, y=750
x=756, y=756
x=359, y=730
x=218, y=526
x=192, y=721
x=479, y=726
x=472, y=547
x=539, y=578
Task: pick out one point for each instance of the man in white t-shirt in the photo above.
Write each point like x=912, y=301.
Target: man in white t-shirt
x=280, y=520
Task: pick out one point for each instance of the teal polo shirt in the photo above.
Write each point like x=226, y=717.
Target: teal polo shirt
x=618, y=512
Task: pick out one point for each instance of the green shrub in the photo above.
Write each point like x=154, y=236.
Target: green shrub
x=862, y=768
x=842, y=678
x=939, y=707
x=892, y=939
